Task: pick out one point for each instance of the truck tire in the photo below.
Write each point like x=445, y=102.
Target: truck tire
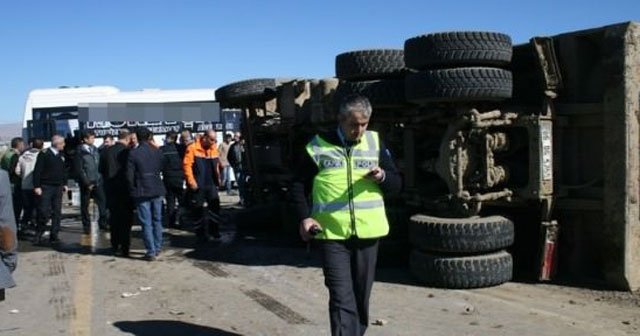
x=370, y=64
x=260, y=89
x=455, y=49
x=461, y=272
x=461, y=235
x=381, y=93
x=459, y=85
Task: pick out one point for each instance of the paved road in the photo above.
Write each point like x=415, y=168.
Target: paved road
x=257, y=285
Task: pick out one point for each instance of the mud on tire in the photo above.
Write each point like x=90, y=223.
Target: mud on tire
x=370, y=64
x=461, y=235
x=459, y=84
x=461, y=272
x=260, y=89
x=458, y=49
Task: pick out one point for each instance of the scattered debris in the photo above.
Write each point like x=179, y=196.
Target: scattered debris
x=129, y=294
x=176, y=312
x=431, y=296
x=14, y=311
x=145, y=289
x=380, y=322
x=468, y=309
x=626, y=322
x=572, y=302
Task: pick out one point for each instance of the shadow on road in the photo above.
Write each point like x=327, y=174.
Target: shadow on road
x=169, y=328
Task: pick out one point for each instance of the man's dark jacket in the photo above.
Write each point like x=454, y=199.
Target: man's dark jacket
x=113, y=167
x=172, y=172
x=86, y=165
x=306, y=170
x=49, y=170
x=143, y=172
x=236, y=156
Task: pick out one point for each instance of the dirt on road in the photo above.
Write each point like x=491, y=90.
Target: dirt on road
x=254, y=284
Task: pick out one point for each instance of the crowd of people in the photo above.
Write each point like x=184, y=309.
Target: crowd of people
x=129, y=179
x=337, y=194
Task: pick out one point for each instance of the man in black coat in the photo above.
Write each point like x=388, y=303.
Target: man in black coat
x=8, y=162
x=172, y=176
x=86, y=166
x=238, y=160
x=49, y=183
x=144, y=166
x=113, y=167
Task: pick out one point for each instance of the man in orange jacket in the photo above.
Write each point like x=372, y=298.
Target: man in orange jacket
x=202, y=166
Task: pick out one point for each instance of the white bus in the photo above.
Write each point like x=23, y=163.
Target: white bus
x=56, y=111
x=67, y=110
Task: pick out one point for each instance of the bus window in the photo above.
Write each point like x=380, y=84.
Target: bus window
x=53, y=120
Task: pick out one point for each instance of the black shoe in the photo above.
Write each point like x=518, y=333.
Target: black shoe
x=86, y=230
x=125, y=252
x=149, y=257
x=54, y=240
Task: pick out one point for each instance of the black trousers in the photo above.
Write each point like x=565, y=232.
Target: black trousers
x=120, y=218
x=28, y=207
x=349, y=269
x=196, y=200
x=173, y=197
x=97, y=193
x=17, y=201
x=50, y=207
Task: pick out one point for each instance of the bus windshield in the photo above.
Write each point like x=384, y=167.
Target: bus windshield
x=53, y=120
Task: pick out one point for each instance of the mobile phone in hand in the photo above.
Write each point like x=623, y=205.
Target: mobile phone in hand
x=315, y=230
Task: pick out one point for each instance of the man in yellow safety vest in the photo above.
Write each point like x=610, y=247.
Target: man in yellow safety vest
x=346, y=171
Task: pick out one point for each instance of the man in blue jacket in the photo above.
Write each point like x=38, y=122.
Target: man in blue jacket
x=146, y=188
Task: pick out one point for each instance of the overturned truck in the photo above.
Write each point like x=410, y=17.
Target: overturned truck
x=517, y=158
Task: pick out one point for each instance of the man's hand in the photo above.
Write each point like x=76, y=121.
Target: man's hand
x=376, y=174
x=37, y=191
x=305, y=227
x=193, y=186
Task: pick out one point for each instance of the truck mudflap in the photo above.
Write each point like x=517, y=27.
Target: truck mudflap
x=549, y=249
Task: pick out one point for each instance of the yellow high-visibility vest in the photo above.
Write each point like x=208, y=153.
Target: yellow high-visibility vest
x=345, y=203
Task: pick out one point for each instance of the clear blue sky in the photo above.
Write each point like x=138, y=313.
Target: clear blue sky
x=137, y=44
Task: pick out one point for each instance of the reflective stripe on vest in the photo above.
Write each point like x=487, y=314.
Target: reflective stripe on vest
x=341, y=206
x=345, y=202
